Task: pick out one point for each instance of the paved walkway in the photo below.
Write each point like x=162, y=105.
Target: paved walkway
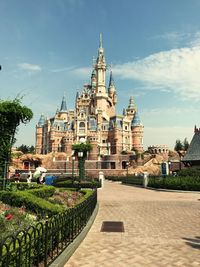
x=162, y=229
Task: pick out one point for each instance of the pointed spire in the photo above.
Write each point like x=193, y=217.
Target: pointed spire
x=63, y=104
x=131, y=103
x=136, y=120
x=100, y=41
x=41, y=120
x=124, y=112
x=111, y=82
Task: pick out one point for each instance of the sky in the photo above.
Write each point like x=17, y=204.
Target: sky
x=47, y=49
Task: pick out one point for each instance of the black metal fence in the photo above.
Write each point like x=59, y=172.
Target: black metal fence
x=41, y=244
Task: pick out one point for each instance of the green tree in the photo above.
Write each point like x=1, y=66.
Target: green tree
x=185, y=144
x=178, y=145
x=26, y=149
x=12, y=114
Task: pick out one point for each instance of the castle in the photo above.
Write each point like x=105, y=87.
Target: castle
x=94, y=120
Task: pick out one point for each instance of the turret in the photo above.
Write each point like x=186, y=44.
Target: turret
x=100, y=68
x=93, y=79
x=41, y=121
x=137, y=130
x=111, y=87
x=63, y=107
x=131, y=108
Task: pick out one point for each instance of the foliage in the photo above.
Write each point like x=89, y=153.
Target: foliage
x=12, y=113
x=192, y=172
x=185, y=144
x=135, y=180
x=176, y=183
x=178, y=145
x=76, y=184
x=26, y=149
x=82, y=147
x=181, y=145
x=32, y=203
x=13, y=219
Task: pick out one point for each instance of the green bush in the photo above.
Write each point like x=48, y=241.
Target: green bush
x=187, y=183
x=76, y=184
x=135, y=180
x=33, y=203
x=115, y=178
x=193, y=172
x=43, y=192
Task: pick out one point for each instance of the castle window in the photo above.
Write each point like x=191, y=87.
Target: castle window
x=82, y=127
x=126, y=127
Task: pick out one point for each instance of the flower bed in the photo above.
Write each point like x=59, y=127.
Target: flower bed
x=13, y=219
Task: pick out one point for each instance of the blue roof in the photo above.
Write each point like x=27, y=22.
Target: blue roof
x=63, y=104
x=136, y=120
x=41, y=121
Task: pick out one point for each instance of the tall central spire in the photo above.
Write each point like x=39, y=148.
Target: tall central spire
x=100, y=41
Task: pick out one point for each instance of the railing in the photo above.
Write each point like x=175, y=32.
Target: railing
x=41, y=244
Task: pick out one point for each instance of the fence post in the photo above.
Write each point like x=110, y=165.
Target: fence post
x=46, y=244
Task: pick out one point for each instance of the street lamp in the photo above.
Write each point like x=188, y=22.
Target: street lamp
x=127, y=165
x=73, y=159
x=81, y=165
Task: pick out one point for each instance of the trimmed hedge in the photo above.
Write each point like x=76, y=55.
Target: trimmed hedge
x=135, y=180
x=187, y=183
x=82, y=184
x=43, y=192
x=31, y=202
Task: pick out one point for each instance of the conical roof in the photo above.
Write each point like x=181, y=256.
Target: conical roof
x=136, y=120
x=193, y=152
x=41, y=120
x=63, y=104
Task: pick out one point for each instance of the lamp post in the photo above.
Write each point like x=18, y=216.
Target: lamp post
x=81, y=165
x=127, y=165
x=73, y=159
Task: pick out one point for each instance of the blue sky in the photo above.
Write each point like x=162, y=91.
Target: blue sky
x=46, y=50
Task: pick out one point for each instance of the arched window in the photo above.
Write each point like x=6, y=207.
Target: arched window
x=82, y=127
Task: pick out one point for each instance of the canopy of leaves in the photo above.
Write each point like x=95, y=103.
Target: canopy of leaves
x=12, y=113
x=82, y=147
x=26, y=149
x=181, y=145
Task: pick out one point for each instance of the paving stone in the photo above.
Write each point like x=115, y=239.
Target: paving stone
x=162, y=229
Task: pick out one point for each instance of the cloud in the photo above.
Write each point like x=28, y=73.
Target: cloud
x=29, y=67
x=82, y=72
x=63, y=69
x=176, y=70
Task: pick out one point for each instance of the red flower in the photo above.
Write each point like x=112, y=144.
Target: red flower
x=9, y=216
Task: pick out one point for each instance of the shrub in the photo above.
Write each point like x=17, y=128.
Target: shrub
x=76, y=184
x=177, y=183
x=32, y=203
x=43, y=191
x=135, y=180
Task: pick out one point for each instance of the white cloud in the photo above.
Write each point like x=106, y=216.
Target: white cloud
x=29, y=67
x=176, y=70
x=82, y=72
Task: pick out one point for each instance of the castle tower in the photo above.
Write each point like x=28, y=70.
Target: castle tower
x=39, y=135
x=130, y=111
x=100, y=67
x=137, y=130
x=62, y=114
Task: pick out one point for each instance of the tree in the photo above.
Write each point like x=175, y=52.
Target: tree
x=178, y=145
x=12, y=114
x=185, y=144
x=26, y=149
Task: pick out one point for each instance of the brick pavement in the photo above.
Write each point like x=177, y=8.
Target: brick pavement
x=162, y=229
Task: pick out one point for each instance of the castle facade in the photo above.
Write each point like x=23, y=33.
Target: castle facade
x=93, y=120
